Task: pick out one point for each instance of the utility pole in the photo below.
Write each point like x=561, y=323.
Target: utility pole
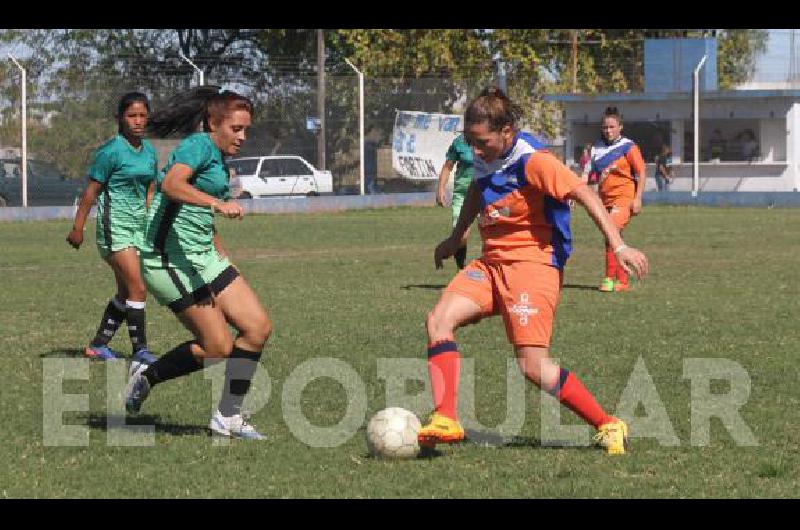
x=321, y=99
x=574, y=60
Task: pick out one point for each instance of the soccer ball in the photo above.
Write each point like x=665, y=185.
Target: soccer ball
x=392, y=433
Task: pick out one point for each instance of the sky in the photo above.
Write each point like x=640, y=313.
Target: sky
x=773, y=65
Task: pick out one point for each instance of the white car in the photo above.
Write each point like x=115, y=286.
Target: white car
x=270, y=176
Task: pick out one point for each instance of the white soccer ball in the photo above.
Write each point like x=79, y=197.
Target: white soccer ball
x=392, y=433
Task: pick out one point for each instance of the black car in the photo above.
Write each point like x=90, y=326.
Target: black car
x=47, y=186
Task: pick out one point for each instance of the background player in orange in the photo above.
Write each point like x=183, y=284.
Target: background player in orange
x=618, y=165
x=522, y=196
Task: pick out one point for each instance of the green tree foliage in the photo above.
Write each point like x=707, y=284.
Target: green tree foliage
x=76, y=76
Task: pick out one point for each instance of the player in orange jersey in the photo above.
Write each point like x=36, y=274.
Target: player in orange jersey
x=618, y=165
x=521, y=194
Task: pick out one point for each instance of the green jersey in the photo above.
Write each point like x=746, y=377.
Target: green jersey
x=125, y=174
x=177, y=228
x=461, y=153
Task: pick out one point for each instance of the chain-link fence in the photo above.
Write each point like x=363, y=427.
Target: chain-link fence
x=71, y=110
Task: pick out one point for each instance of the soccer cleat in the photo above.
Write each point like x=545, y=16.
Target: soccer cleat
x=235, y=426
x=103, y=353
x=440, y=429
x=607, y=285
x=136, y=392
x=619, y=286
x=140, y=361
x=613, y=437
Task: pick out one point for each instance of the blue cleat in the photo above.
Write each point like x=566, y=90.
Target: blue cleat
x=101, y=353
x=140, y=361
x=135, y=393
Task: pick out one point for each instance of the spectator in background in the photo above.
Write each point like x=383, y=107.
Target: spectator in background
x=663, y=161
x=370, y=166
x=749, y=145
x=716, y=145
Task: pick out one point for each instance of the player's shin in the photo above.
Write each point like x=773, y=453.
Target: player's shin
x=444, y=365
x=239, y=371
x=177, y=362
x=570, y=391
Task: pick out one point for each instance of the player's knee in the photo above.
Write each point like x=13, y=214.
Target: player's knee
x=438, y=325
x=217, y=347
x=258, y=330
x=137, y=291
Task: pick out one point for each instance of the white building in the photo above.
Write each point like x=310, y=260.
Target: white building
x=749, y=139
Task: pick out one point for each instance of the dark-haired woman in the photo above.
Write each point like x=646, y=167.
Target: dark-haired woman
x=120, y=182
x=184, y=264
x=618, y=166
x=521, y=194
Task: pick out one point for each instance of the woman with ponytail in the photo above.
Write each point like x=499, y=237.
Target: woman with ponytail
x=617, y=165
x=185, y=266
x=522, y=195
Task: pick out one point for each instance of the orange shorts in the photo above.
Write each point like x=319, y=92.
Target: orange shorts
x=620, y=214
x=524, y=293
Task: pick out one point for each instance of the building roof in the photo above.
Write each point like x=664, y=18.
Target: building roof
x=673, y=96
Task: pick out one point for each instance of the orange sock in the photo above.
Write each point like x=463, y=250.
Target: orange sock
x=570, y=391
x=611, y=264
x=444, y=365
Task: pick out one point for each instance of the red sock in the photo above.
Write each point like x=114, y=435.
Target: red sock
x=444, y=365
x=611, y=264
x=622, y=276
x=571, y=392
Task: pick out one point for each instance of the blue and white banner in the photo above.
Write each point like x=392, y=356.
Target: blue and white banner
x=420, y=142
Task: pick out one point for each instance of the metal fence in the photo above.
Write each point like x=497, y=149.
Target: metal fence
x=70, y=115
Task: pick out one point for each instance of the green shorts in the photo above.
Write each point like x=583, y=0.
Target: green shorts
x=116, y=237
x=458, y=202
x=180, y=281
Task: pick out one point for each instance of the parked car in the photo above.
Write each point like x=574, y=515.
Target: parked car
x=47, y=186
x=270, y=176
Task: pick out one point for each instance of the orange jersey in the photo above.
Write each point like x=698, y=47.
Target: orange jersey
x=619, y=167
x=525, y=214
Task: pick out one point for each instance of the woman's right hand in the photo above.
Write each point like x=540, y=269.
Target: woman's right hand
x=633, y=262
x=75, y=238
x=444, y=250
x=440, y=197
x=230, y=209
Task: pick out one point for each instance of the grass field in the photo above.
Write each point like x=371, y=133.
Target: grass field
x=356, y=286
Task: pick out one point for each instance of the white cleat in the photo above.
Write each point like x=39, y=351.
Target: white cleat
x=140, y=361
x=235, y=426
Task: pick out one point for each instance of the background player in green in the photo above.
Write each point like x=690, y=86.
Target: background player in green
x=459, y=155
x=184, y=264
x=120, y=181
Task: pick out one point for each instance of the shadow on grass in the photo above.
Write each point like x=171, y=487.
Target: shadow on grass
x=102, y=421
x=580, y=287
x=424, y=286
x=75, y=353
x=63, y=352
x=498, y=441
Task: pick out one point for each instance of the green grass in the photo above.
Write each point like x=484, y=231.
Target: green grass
x=356, y=286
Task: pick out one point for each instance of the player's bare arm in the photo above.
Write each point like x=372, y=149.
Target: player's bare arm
x=176, y=186
x=469, y=211
x=89, y=197
x=444, y=176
